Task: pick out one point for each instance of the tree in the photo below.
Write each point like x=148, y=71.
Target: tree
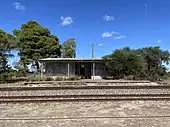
x=124, y=62
x=144, y=63
x=7, y=42
x=154, y=57
x=69, y=48
x=36, y=42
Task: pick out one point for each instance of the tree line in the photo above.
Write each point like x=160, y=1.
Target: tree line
x=144, y=63
x=33, y=42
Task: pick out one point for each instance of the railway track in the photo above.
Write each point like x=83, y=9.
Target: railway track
x=83, y=93
x=85, y=104
x=77, y=118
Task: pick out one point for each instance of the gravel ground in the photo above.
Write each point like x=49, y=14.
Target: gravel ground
x=90, y=123
x=84, y=91
x=79, y=83
x=87, y=109
x=142, y=113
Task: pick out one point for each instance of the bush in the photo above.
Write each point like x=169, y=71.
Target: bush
x=17, y=79
x=34, y=78
x=40, y=78
x=49, y=78
x=74, y=78
x=60, y=79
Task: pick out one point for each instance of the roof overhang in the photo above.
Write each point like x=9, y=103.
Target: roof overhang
x=71, y=59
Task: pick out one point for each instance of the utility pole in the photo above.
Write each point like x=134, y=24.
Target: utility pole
x=93, y=63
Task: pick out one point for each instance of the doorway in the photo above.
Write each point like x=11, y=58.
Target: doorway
x=82, y=70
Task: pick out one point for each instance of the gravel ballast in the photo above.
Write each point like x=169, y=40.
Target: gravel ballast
x=149, y=111
x=84, y=92
x=134, y=113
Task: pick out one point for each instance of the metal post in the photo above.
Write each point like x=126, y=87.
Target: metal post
x=41, y=69
x=92, y=50
x=93, y=69
x=68, y=69
x=93, y=63
x=93, y=66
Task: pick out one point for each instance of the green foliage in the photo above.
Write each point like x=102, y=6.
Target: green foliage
x=154, y=57
x=145, y=63
x=124, y=62
x=36, y=42
x=35, y=78
x=60, y=78
x=11, y=76
x=69, y=48
x=49, y=78
x=7, y=42
x=33, y=42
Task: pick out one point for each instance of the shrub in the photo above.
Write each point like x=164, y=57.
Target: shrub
x=34, y=78
x=49, y=78
x=74, y=78
x=17, y=79
x=60, y=79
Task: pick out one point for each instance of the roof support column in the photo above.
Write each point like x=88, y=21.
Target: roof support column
x=68, y=69
x=41, y=69
x=93, y=70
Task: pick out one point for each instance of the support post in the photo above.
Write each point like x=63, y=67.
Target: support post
x=41, y=69
x=93, y=69
x=93, y=64
x=68, y=69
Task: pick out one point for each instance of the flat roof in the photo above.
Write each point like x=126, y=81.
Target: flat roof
x=70, y=59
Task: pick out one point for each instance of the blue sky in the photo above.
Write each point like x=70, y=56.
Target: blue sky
x=113, y=23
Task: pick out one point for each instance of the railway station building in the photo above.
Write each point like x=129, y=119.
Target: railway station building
x=84, y=67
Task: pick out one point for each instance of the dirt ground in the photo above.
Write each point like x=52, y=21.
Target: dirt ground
x=86, y=114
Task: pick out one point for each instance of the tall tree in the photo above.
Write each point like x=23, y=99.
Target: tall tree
x=144, y=63
x=69, y=48
x=7, y=42
x=154, y=56
x=36, y=42
x=124, y=62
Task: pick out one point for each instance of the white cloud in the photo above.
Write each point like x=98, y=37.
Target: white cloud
x=108, y=18
x=18, y=6
x=113, y=34
x=109, y=34
x=159, y=41
x=66, y=20
x=119, y=37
